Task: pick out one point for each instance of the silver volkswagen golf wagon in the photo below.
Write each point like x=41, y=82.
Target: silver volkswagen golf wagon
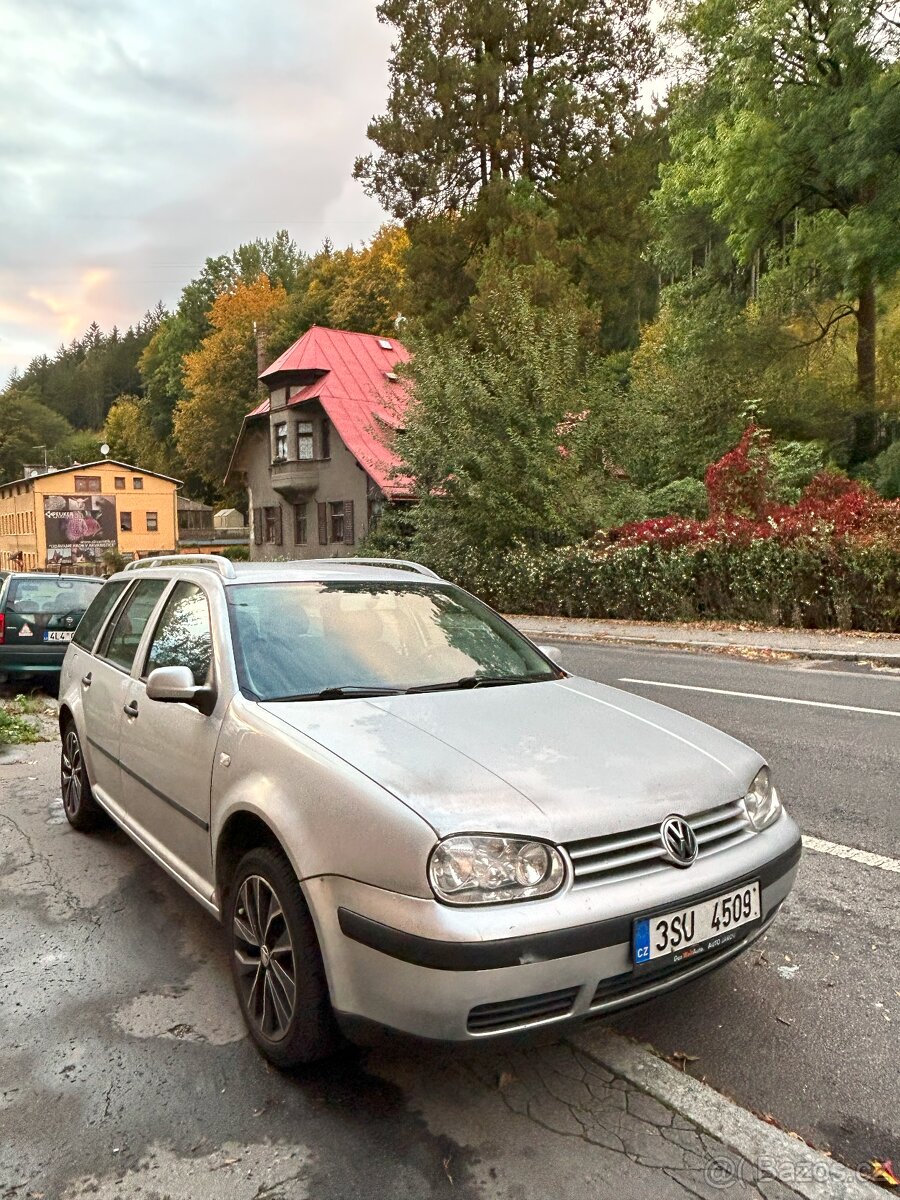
x=404, y=813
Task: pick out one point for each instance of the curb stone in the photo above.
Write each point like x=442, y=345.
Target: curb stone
x=537, y=633
x=768, y=1150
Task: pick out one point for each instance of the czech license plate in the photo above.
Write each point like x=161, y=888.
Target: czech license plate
x=680, y=935
x=58, y=635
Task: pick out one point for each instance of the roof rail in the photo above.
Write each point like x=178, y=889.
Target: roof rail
x=215, y=561
x=403, y=564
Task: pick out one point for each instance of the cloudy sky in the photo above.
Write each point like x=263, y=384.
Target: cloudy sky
x=138, y=137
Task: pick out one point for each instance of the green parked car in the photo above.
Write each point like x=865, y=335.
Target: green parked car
x=38, y=616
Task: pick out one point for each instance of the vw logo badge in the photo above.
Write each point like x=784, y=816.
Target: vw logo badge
x=679, y=841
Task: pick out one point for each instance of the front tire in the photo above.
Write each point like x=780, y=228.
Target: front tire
x=82, y=810
x=276, y=963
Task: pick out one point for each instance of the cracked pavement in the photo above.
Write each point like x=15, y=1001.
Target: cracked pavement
x=125, y=1070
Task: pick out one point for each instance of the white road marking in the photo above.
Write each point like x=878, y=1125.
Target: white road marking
x=860, y=856
x=691, y=687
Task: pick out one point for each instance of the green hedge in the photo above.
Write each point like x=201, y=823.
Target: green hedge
x=838, y=584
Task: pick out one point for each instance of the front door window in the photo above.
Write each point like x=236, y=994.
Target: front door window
x=183, y=637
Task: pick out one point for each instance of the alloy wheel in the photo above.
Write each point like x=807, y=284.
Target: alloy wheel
x=72, y=773
x=264, y=953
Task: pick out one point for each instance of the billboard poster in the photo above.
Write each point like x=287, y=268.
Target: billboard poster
x=79, y=528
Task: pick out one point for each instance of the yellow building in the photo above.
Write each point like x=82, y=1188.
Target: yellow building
x=70, y=518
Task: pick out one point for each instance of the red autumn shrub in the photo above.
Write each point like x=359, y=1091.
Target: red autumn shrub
x=738, y=483
x=830, y=507
x=829, y=486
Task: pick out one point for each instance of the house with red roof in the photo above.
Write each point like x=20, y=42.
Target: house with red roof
x=314, y=455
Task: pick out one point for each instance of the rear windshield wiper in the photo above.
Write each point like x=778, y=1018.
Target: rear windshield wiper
x=337, y=693
x=477, y=681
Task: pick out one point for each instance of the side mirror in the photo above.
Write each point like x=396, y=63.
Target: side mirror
x=175, y=685
x=551, y=652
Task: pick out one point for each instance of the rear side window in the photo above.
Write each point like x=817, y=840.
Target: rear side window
x=123, y=636
x=56, y=596
x=100, y=608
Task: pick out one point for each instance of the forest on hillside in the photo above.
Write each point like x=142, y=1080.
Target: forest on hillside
x=601, y=295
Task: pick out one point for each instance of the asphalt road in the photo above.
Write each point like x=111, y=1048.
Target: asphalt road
x=125, y=1070
x=807, y=1027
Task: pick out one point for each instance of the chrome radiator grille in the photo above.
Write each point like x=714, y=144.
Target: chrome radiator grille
x=636, y=852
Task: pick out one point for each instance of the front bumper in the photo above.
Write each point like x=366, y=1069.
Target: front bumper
x=456, y=974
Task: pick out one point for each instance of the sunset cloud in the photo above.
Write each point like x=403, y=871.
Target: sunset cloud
x=146, y=138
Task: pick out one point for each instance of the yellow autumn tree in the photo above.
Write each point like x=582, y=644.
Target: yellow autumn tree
x=220, y=378
x=130, y=437
x=369, y=294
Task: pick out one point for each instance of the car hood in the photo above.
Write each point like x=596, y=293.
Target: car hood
x=560, y=760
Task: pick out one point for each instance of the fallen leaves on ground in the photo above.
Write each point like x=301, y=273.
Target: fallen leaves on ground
x=883, y=1172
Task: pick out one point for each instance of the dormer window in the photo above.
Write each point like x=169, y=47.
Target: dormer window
x=281, y=441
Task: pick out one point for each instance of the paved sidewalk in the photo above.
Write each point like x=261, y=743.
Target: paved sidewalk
x=804, y=643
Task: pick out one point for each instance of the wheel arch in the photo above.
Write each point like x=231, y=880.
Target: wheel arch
x=243, y=830
x=65, y=716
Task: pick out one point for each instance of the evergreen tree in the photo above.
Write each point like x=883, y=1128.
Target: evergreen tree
x=488, y=90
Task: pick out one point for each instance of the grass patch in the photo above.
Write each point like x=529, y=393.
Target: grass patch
x=26, y=706
x=15, y=729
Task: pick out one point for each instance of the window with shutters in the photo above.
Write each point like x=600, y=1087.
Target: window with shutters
x=300, y=531
x=305, y=451
x=348, y=522
x=281, y=441
x=336, y=515
x=269, y=525
x=326, y=438
x=257, y=527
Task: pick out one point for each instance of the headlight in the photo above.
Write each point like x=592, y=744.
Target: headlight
x=486, y=870
x=761, y=802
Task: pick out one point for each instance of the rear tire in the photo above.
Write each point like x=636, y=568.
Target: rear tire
x=82, y=810
x=276, y=962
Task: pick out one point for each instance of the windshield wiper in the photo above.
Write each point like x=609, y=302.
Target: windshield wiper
x=477, y=681
x=337, y=693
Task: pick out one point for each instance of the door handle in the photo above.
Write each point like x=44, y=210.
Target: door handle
x=86, y=680
x=131, y=710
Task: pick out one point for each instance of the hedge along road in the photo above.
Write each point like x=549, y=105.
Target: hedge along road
x=805, y=1026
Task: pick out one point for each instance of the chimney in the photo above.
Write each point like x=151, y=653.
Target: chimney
x=262, y=340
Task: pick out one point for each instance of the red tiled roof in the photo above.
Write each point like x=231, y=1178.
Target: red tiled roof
x=354, y=390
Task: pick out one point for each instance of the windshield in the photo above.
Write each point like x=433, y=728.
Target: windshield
x=299, y=639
